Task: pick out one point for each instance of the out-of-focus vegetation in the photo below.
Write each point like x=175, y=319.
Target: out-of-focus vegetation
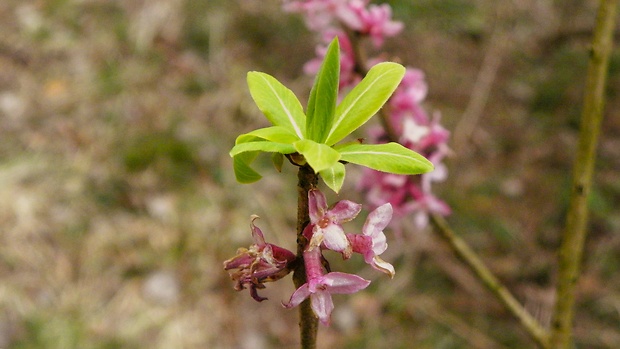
x=118, y=204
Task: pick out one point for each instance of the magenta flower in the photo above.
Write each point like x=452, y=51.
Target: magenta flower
x=262, y=262
x=372, y=242
x=373, y=20
x=357, y=15
x=326, y=223
x=348, y=76
x=320, y=287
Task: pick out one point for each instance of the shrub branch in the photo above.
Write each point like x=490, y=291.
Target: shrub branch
x=571, y=249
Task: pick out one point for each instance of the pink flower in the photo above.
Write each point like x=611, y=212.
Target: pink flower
x=348, y=76
x=357, y=15
x=425, y=203
x=320, y=287
x=376, y=20
x=326, y=223
x=372, y=242
x=262, y=262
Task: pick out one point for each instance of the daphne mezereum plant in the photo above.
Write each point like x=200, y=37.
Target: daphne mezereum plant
x=316, y=142
x=404, y=120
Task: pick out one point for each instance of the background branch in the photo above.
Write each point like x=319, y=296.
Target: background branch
x=471, y=259
x=571, y=249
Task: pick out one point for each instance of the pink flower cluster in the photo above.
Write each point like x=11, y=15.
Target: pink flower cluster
x=416, y=130
x=352, y=20
x=331, y=18
x=265, y=262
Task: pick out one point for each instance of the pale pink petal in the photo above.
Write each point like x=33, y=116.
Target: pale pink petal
x=298, y=296
x=379, y=244
x=349, y=17
x=344, y=211
x=343, y=283
x=322, y=305
x=421, y=219
x=317, y=205
x=377, y=220
x=257, y=234
x=335, y=239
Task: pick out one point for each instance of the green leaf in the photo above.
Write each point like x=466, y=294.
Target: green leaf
x=319, y=156
x=334, y=176
x=278, y=161
x=278, y=103
x=323, y=96
x=276, y=134
x=365, y=100
x=390, y=157
x=266, y=146
x=243, y=172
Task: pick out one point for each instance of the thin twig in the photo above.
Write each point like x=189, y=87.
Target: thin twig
x=481, y=90
x=459, y=327
x=571, y=249
x=471, y=259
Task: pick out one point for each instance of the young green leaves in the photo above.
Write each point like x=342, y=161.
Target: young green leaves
x=314, y=134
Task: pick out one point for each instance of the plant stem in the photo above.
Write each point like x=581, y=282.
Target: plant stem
x=471, y=260
x=308, y=322
x=571, y=249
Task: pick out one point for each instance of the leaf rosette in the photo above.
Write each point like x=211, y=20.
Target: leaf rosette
x=312, y=137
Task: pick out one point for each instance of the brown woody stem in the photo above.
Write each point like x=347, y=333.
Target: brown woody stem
x=308, y=322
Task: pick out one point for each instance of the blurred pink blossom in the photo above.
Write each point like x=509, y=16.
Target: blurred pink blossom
x=356, y=15
x=348, y=77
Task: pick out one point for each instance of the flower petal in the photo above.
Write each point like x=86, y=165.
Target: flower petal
x=298, y=296
x=257, y=234
x=322, y=305
x=383, y=266
x=335, y=239
x=379, y=244
x=337, y=282
x=377, y=220
x=344, y=211
x=317, y=205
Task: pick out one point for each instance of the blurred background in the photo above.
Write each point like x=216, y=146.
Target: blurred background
x=118, y=204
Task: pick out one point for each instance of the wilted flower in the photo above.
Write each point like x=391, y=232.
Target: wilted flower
x=262, y=262
x=320, y=287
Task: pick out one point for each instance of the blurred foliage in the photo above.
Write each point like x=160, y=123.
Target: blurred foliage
x=172, y=158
